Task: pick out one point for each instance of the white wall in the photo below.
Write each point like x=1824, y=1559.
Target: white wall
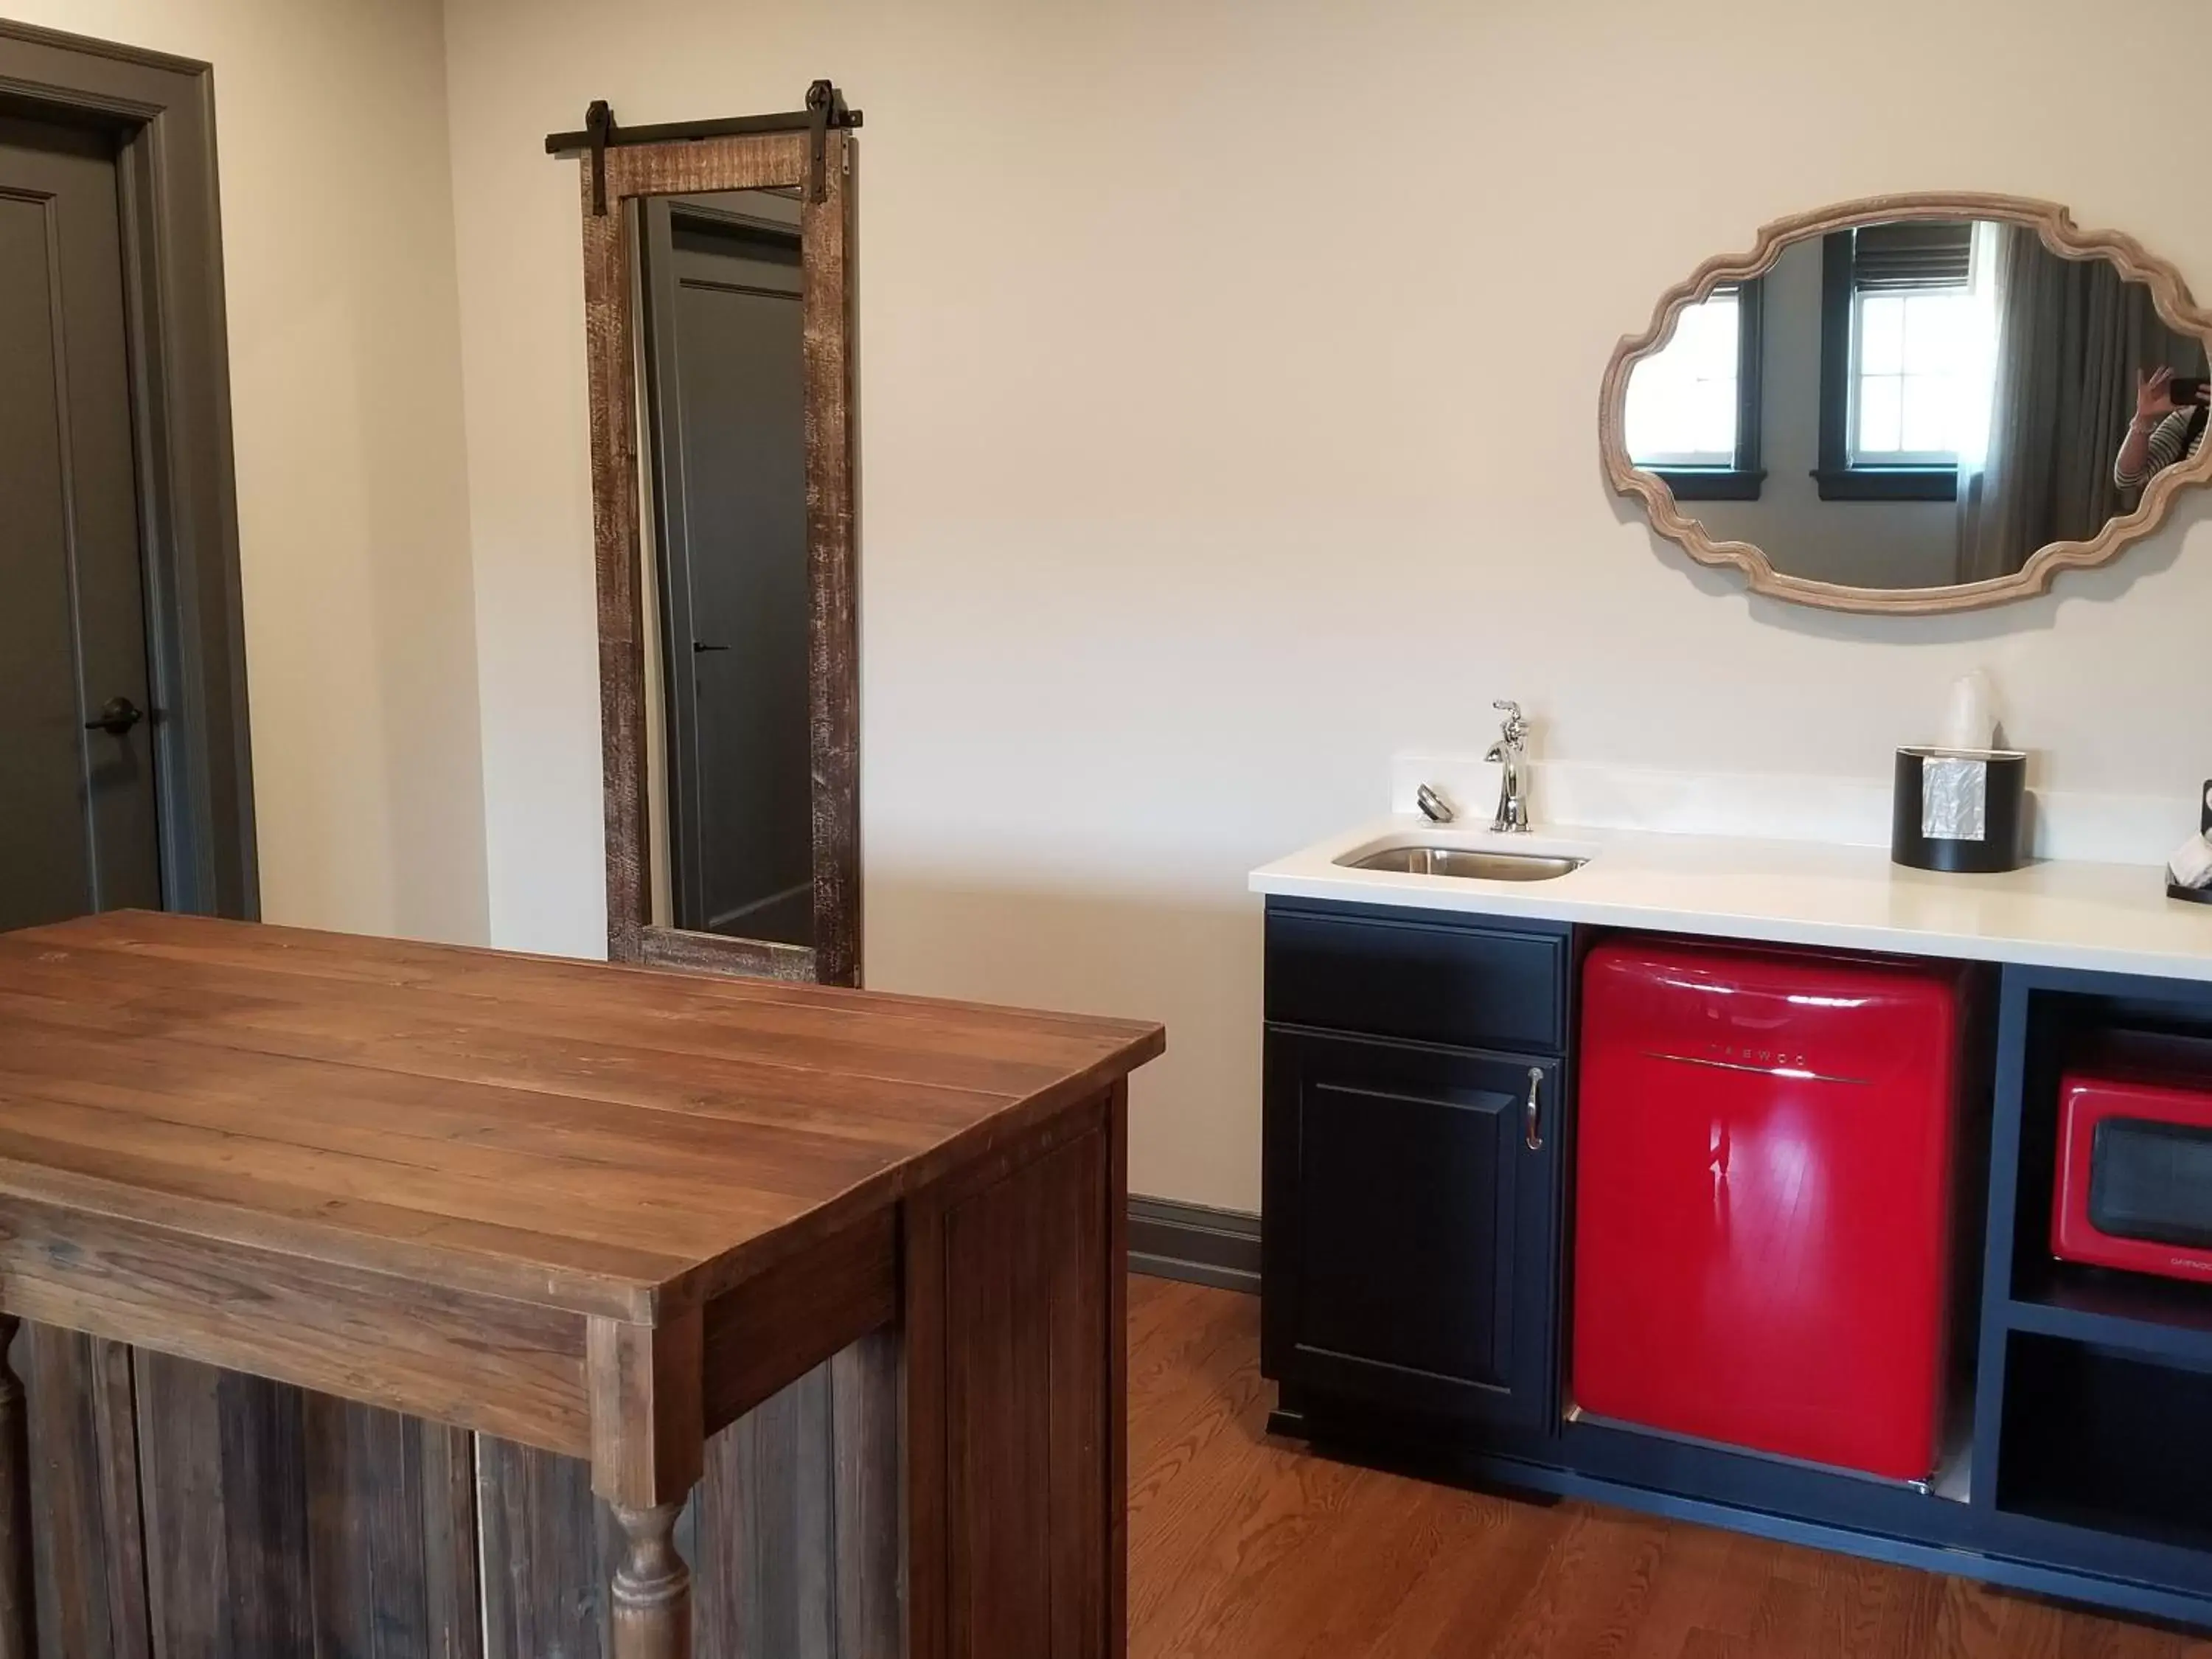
x=345, y=390
x=1186, y=502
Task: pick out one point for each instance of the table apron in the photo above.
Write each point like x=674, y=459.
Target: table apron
x=479, y=1362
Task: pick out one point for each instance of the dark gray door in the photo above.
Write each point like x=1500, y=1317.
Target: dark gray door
x=729, y=449
x=77, y=829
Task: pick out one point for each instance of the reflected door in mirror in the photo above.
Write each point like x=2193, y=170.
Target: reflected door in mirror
x=726, y=428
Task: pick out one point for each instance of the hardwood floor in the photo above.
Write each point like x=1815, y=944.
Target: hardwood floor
x=1244, y=1547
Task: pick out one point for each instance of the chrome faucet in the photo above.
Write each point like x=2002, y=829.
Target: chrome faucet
x=1509, y=751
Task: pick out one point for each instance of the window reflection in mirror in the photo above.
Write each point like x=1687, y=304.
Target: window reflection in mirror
x=1915, y=404
x=1920, y=328
x=723, y=455
x=1682, y=403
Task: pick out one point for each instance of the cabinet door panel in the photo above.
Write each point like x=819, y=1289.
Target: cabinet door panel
x=1411, y=1241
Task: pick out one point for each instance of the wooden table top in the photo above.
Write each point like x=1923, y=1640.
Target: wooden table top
x=604, y=1139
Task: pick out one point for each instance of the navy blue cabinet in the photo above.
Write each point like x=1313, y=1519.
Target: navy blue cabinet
x=1414, y=1165
x=1419, y=1126
x=1416, y=1266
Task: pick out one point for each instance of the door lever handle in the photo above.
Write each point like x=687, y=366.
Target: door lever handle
x=116, y=716
x=697, y=646
x=1531, y=1133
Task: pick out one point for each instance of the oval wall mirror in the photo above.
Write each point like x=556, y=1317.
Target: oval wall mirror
x=1914, y=402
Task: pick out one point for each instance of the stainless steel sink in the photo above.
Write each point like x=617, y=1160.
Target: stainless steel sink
x=1466, y=862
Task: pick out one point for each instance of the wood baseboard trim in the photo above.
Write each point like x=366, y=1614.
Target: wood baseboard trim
x=1196, y=1243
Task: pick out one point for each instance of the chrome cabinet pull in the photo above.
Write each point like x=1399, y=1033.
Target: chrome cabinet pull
x=1531, y=1134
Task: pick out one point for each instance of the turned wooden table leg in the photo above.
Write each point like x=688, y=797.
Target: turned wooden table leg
x=19, y=1627
x=648, y=1444
x=652, y=1586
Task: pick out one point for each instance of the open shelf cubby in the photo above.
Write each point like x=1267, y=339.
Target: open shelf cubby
x=2107, y=1440
x=2094, y=1409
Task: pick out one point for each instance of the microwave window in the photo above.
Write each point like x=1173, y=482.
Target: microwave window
x=2152, y=1180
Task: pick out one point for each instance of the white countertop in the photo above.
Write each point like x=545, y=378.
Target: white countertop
x=2109, y=918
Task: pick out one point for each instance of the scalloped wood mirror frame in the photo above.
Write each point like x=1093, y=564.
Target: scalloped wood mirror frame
x=2055, y=225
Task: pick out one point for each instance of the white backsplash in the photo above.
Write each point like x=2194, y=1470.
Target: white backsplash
x=1780, y=806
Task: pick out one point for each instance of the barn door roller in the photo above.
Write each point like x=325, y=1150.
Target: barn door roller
x=825, y=112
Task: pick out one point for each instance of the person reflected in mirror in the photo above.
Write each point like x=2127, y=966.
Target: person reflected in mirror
x=2165, y=428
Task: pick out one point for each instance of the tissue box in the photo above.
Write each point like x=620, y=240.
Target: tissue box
x=1962, y=810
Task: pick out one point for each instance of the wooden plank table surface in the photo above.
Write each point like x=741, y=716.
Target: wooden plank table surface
x=600, y=1211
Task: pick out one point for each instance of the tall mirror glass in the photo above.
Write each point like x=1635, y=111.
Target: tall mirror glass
x=1913, y=408
x=722, y=455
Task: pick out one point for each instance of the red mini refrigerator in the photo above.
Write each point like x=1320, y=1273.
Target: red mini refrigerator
x=1763, y=1195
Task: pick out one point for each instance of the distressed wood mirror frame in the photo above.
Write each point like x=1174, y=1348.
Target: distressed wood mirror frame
x=2055, y=225
x=694, y=165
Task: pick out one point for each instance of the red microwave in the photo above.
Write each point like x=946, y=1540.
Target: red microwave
x=2135, y=1162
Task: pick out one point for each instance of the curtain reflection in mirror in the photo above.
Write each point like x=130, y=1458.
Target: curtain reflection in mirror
x=2073, y=335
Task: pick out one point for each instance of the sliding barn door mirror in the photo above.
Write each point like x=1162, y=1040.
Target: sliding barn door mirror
x=717, y=300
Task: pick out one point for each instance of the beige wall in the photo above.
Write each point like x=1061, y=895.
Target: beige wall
x=353, y=522
x=1228, y=393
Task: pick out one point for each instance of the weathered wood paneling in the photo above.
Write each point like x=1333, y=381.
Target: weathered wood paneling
x=867, y=1410
x=548, y=1551
x=764, y=1522
x=278, y=1511
x=282, y=1524
x=223, y=1471
x=1026, y=1377
x=70, y=1497
x=391, y=1535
